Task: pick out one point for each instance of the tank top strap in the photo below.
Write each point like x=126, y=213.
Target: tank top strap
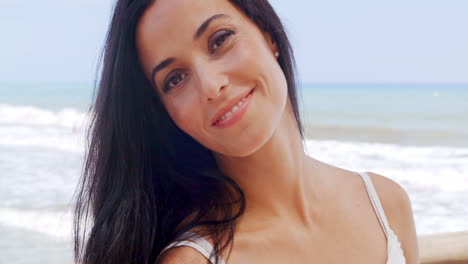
x=376, y=202
x=196, y=242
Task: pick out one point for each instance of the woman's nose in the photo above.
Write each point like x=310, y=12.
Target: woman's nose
x=212, y=80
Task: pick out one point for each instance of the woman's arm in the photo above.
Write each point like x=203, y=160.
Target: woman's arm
x=399, y=212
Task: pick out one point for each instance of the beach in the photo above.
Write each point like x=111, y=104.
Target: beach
x=415, y=134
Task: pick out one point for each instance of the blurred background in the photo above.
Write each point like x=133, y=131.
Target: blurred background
x=384, y=87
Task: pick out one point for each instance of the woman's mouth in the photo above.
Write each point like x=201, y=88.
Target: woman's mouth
x=235, y=113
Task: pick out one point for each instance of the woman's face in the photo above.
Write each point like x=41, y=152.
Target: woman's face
x=215, y=72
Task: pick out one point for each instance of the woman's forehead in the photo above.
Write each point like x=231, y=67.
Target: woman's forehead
x=166, y=16
x=173, y=23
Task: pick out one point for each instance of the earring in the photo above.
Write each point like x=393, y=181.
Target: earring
x=277, y=54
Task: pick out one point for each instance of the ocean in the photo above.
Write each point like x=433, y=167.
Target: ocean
x=415, y=134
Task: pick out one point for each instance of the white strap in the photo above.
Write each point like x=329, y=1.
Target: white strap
x=198, y=243
x=375, y=202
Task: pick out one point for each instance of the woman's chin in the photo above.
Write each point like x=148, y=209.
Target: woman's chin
x=245, y=147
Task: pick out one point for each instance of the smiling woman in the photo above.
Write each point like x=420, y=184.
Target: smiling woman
x=208, y=63
x=196, y=145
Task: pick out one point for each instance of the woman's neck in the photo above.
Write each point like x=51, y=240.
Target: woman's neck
x=276, y=179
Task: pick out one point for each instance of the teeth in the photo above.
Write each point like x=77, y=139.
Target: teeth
x=234, y=109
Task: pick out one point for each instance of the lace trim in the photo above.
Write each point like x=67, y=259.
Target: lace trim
x=395, y=252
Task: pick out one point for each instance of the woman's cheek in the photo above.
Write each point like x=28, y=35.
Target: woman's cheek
x=241, y=54
x=181, y=110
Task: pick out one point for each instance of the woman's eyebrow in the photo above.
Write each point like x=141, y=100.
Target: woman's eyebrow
x=205, y=25
x=161, y=66
x=197, y=34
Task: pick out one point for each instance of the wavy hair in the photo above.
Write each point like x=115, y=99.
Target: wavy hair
x=145, y=181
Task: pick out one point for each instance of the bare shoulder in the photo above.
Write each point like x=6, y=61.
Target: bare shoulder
x=393, y=197
x=399, y=212
x=182, y=255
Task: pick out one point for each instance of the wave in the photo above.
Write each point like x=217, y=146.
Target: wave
x=29, y=126
x=390, y=135
x=55, y=224
x=34, y=116
x=436, y=167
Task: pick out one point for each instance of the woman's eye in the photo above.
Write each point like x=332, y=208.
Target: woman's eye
x=219, y=39
x=174, y=80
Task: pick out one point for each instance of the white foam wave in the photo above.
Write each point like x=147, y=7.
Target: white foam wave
x=30, y=115
x=28, y=126
x=48, y=137
x=56, y=224
x=439, y=167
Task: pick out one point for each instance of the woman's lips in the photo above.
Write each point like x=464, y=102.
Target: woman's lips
x=236, y=112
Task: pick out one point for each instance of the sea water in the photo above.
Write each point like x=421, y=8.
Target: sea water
x=415, y=134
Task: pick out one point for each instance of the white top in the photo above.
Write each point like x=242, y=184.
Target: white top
x=394, y=251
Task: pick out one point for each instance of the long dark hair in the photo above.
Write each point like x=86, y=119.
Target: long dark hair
x=143, y=177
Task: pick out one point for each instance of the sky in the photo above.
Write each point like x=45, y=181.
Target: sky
x=335, y=41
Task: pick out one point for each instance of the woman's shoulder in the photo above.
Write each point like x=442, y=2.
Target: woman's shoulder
x=398, y=210
x=392, y=195
x=396, y=204
x=394, y=199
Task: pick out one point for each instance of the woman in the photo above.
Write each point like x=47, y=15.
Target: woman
x=196, y=151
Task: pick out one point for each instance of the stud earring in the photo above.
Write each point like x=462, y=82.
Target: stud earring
x=277, y=54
